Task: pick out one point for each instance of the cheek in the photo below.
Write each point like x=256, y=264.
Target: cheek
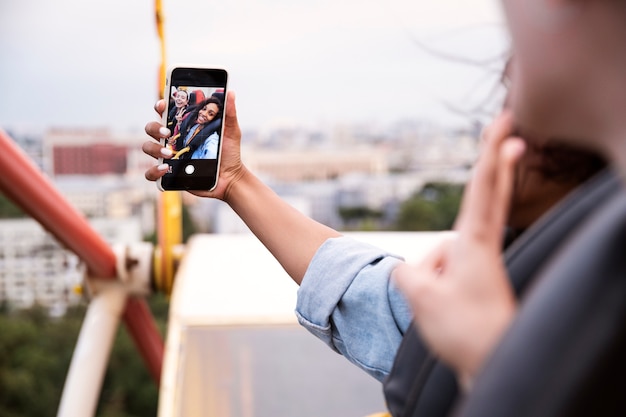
x=542, y=70
x=535, y=96
x=518, y=97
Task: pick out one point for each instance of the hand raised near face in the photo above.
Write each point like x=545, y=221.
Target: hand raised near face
x=460, y=294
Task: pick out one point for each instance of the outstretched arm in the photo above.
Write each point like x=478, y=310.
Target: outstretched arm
x=289, y=235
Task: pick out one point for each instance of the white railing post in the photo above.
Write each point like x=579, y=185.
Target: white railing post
x=107, y=304
x=91, y=355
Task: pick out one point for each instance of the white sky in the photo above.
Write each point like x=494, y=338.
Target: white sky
x=315, y=63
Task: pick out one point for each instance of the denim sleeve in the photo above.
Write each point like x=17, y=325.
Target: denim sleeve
x=348, y=301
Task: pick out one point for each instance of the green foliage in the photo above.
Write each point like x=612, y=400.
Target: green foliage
x=8, y=209
x=434, y=207
x=35, y=353
x=360, y=218
x=188, y=225
x=128, y=389
x=352, y=213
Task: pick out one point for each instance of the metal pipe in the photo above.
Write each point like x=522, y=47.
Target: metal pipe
x=91, y=355
x=27, y=186
x=141, y=326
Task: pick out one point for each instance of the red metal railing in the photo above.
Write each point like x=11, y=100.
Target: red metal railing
x=29, y=188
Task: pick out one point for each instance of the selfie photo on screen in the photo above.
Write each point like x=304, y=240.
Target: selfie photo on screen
x=195, y=118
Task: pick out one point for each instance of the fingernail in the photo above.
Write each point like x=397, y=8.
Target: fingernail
x=515, y=147
x=164, y=131
x=166, y=152
x=163, y=167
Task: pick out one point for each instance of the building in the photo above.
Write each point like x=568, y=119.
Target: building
x=113, y=197
x=35, y=269
x=301, y=165
x=94, y=159
x=90, y=151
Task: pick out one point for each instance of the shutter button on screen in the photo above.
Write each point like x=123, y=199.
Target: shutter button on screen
x=189, y=169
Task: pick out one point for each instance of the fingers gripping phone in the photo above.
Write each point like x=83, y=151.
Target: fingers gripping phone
x=194, y=114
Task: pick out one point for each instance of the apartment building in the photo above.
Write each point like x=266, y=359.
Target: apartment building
x=36, y=269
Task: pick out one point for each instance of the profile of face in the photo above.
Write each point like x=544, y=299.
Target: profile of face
x=181, y=99
x=551, y=60
x=207, y=113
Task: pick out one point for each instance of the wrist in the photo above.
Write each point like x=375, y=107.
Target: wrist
x=239, y=181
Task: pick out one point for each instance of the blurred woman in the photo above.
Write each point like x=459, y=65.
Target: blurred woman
x=177, y=111
x=568, y=82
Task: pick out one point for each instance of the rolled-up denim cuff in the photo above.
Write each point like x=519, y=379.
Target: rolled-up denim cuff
x=331, y=272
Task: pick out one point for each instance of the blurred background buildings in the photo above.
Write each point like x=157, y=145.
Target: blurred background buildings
x=329, y=176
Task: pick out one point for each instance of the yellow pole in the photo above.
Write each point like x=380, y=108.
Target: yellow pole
x=159, y=24
x=169, y=207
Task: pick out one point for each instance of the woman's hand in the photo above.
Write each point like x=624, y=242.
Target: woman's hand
x=231, y=167
x=460, y=294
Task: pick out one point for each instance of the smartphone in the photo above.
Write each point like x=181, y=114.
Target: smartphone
x=195, y=105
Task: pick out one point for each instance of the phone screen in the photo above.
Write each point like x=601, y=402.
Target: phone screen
x=196, y=99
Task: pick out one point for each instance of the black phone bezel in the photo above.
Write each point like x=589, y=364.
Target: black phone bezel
x=205, y=171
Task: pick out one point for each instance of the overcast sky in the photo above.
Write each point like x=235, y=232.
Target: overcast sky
x=291, y=62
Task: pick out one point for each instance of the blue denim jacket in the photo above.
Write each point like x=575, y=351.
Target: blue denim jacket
x=347, y=300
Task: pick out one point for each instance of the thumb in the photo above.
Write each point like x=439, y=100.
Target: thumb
x=230, y=119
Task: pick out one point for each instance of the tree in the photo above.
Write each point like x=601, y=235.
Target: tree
x=35, y=353
x=8, y=209
x=360, y=218
x=434, y=207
